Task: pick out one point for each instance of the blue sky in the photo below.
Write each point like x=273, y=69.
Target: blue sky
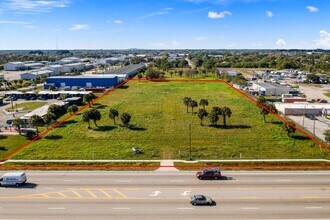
x=164, y=24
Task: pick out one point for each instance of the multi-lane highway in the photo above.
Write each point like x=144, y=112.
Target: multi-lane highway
x=165, y=195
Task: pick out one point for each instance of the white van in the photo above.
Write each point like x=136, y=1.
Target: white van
x=13, y=179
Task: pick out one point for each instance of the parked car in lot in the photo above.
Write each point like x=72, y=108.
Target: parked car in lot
x=310, y=116
x=11, y=98
x=201, y=200
x=209, y=173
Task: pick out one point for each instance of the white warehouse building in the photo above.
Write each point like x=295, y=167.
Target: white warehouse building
x=14, y=66
x=68, y=68
x=301, y=108
x=36, y=74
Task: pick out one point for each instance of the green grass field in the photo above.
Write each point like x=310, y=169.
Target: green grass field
x=9, y=143
x=160, y=128
x=27, y=106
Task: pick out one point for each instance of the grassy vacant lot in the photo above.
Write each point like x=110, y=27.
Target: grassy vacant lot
x=160, y=128
x=9, y=143
x=27, y=106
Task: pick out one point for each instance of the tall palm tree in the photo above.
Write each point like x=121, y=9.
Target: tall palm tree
x=125, y=118
x=217, y=110
x=201, y=114
x=89, y=98
x=113, y=114
x=226, y=112
x=17, y=122
x=36, y=121
x=95, y=115
x=192, y=104
x=204, y=102
x=186, y=101
x=213, y=118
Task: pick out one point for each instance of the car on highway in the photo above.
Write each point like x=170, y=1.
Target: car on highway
x=13, y=179
x=209, y=173
x=201, y=200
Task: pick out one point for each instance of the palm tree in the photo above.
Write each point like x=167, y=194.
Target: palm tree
x=225, y=112
x=217, y=110
x=201, y=114
x=267, y=109
x=49, y=118
x=213, y=118
x=36, y=121
x=17, y=122
x=204, y=102
x=125, y=118
x=192, y=104
x=113, y=114
x=95, y=115
x=86, y=118
x=186, y=101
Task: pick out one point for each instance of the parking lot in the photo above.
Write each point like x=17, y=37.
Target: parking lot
x=319, y=125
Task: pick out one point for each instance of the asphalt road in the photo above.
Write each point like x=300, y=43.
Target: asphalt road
x=165, y=195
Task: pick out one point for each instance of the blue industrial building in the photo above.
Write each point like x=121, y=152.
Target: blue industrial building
x=88, y=81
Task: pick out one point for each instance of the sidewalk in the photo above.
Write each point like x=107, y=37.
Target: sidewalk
x=167, y=165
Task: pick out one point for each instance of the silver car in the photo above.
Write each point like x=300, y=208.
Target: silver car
x=200, y=200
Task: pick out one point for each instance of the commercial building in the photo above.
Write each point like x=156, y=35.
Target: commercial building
x=270, y=89
x=33, y=66
x=57, y=69
x=14, y=66
x=86, y=81
x=36, y=74
x=72, y=67
x=301, y=108
x=130, y=70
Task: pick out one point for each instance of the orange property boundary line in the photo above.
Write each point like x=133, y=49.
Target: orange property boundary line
x=44, y=133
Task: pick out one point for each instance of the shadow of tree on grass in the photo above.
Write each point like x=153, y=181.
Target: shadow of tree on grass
x=230, y=126
x=53, y=137
x=105, y=128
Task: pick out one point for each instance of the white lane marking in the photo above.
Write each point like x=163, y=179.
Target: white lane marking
x=156, y=193
x=121, y=208
x=185, y=208
x=71, y=180
x=49, y=188
x=124, y=181
x=283, y=180
x=56, y=208
x=176, y=181
x=313, y=207
x=250, y=208
x=186, y=193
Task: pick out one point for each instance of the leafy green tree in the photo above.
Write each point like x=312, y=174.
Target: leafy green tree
x=125, y=118
x=50, y=118
x=30, y=134
x=213, y=118
x=95, y=115
x=36, y=121
x=289, y=129
x=88, y=98
x=113, y=114
x=204, y=102
x=226, y=112
x=73, y=109
x=202, y=113
x=17, y=122
x=192, y=104
x=57, y=110
x=86, y=118
x=186, y=101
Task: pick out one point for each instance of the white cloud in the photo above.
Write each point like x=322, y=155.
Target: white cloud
x=118, y=21
x=216, y=15
x=30, y=26
x=256, y=45
x=175, y=43
x=14, y=22
x=79, y=27
x=161, y=12
x=281, y=43
x=312, y=8
x=324, y=41
x=200, y=38
x=269, y=14
x=34, y=6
